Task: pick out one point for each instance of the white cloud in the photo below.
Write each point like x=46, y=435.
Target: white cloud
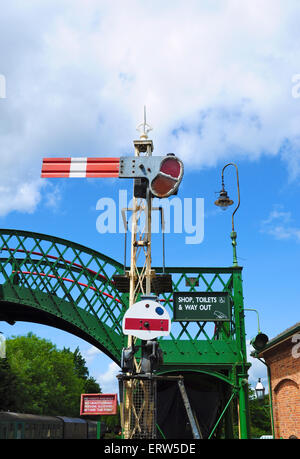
x=21, y=197
x=216, y=76
x=108, y=380
x=90, y=354
x=279, y=224
x=52, y=196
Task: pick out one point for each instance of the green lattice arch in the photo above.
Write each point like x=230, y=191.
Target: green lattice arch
x=53, y=281
x=60, y=283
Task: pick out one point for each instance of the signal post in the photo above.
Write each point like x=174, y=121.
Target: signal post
x=153, y=176
x=139, y=415
x=160, y=176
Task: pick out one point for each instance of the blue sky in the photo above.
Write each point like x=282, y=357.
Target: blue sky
x=219, y=80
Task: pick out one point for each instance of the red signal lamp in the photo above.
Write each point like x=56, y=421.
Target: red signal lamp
x=168, y=178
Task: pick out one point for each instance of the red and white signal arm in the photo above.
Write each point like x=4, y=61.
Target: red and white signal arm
x=146, y=319
x=164, y=173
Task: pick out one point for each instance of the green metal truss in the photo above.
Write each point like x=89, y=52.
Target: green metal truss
x=74, y=284
x=49, y=280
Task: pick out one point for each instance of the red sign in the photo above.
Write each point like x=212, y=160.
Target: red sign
x=149, y=324
x=98, y=404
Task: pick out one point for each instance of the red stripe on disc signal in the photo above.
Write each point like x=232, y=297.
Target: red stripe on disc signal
x=132, y=323
x=80, y=167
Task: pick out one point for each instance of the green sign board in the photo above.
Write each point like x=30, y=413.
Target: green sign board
x=202, y=306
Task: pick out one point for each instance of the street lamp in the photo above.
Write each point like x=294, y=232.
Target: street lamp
x=260, y=390
x=260, y=340
x=224, y=202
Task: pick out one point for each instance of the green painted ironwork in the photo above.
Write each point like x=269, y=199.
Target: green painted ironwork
x=56, y=282
x=194, y=343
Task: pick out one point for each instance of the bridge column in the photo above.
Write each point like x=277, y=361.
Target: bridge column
x=242, y=371
x=243, y=408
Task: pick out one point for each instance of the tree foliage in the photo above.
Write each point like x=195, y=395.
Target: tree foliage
x=259, y=414
x=90, y=384
x=8, y=386
x=42, y=378
x=38, y=378
x=260, y=417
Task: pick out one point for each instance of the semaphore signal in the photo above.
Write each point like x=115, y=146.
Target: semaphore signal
x=154, y=176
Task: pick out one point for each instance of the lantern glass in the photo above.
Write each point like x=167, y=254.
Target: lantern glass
x=260, y=390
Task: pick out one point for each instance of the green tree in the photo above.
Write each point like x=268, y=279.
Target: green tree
x=8, y=386
x=81, y=368
x=259, y=413
x=260, y=416
x=112, y=421
x=90, y=384
x=47, y=379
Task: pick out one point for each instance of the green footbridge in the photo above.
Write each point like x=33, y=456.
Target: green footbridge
x=55, y=282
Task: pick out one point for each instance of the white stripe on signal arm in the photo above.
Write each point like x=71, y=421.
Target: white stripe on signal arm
x=78, y=167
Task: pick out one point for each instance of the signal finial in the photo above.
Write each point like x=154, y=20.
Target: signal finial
x=144, y=128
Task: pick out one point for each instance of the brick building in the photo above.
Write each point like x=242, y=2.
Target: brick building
x=282, y=356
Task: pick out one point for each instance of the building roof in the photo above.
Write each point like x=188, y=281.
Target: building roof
x=281, y=337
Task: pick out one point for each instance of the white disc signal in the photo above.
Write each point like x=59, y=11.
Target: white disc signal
x=146, y=319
